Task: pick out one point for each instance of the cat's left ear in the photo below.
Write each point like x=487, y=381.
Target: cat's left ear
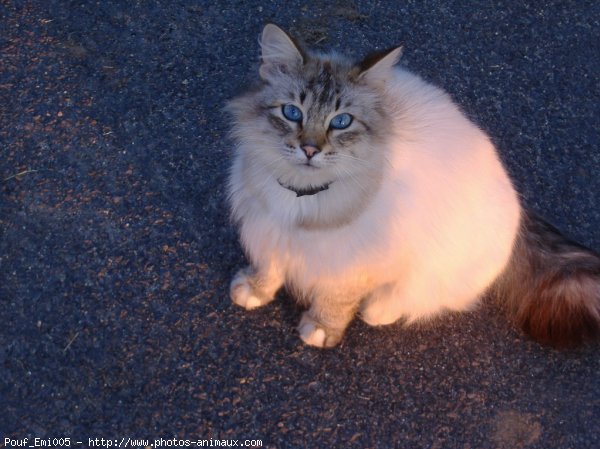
x=280, y=54
x=377, y=66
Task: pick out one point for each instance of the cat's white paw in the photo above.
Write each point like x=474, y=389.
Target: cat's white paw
x=313, y=334
x=242, y=293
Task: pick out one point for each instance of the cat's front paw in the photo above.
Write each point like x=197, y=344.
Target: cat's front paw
x=244, y=293
x=315, y=334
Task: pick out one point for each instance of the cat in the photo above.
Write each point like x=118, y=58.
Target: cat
x=366, y=191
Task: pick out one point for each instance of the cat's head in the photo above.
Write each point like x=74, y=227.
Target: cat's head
x=315, y=118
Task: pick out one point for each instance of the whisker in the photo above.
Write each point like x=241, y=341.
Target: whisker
x=264, y=172
x=354, y=159
x=347, y=174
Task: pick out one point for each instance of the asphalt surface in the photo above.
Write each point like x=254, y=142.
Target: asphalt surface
x=116, y=250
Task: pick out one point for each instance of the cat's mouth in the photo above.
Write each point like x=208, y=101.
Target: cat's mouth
x=305, y=191
x=307, y=165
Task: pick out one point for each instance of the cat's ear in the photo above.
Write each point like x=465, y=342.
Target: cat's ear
x=378, y=66
x=279, y=52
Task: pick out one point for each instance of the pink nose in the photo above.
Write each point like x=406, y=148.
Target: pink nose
x=310, y=150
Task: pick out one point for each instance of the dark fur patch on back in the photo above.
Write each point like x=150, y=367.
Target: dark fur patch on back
x=552, y=286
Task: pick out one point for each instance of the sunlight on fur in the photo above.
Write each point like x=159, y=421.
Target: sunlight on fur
x=365, y=190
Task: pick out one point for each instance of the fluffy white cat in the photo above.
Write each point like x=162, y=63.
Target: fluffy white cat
x=364, y=189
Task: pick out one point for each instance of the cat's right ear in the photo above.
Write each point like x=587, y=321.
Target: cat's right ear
x=279, y=53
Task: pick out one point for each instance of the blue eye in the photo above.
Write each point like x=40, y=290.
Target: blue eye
x=291, y=112
x=341, y=121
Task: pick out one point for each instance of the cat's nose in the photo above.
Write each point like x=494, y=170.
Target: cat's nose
x=310, y=150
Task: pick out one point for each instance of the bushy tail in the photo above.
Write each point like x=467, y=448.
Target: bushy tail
x=551, y=287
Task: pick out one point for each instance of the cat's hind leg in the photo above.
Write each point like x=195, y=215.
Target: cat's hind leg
x=421, y=298
x=252, y=288
x=379, y=308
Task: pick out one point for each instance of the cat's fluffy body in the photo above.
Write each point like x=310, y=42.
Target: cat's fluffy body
x=414, y=213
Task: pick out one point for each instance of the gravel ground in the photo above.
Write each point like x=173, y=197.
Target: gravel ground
x=116, y=250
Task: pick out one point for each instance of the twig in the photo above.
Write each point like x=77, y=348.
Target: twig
x=20, y=174
x=66, y=348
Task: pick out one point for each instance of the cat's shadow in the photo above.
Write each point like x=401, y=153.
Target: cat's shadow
x=481, y=327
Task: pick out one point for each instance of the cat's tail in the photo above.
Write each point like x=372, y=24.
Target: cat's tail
x=551, y=286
